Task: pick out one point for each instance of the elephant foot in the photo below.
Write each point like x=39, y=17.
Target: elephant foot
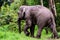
x=55, y=37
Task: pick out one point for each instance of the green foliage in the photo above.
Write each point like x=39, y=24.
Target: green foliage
x=46, y=4
x=6, y=34
x=58, y=13
x=30, y=2
x=58, y=16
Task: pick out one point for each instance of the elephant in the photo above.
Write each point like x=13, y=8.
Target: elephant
x=39, y=15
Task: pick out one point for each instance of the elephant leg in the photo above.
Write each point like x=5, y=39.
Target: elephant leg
x=28, y=25
x=53, y=29
x=32, y=30
x=40, y=30
x=19, y=25
x=39, y=33
x=26, y=30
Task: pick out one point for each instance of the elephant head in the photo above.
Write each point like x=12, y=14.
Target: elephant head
x=21, y=13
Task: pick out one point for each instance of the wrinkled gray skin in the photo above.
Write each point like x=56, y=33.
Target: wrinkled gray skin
x=37, y=15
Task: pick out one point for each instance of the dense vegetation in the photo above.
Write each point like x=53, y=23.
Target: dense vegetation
x=8, y=20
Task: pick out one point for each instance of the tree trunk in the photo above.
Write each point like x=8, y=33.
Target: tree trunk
x=52, y=7
x=42, y=2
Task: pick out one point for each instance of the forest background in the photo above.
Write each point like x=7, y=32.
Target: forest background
x=8, y=20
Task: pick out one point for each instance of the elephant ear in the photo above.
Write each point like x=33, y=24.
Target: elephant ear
x=23, y=13
x=23, y=9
